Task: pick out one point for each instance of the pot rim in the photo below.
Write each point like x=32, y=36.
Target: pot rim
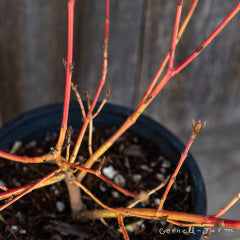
x=114, y=114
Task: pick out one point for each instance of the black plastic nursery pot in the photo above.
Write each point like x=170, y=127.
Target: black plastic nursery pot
x=35, y=124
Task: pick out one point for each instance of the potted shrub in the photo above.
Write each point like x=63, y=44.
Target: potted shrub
x=36, y=124
x=73, y=170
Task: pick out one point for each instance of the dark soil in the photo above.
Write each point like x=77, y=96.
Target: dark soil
x=45, y=213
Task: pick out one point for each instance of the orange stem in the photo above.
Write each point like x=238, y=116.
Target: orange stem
x=224, y=210
x=229, y=205
x=3, y=188
x=9, y=156
x=149, y=213
x=187, y=19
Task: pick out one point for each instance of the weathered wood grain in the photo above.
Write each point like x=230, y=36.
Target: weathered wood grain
x=208, y=88
x=32, y=47
x=125, y=27
x=33, y=44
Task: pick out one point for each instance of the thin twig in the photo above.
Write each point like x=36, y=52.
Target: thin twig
x=145, y=196
x=208, y=40
x=100, y=86
x=166, y=58
x=102, y=104
x=69, y=69
x=29, y=189
x=99, y=175
x=229, y=205
x=70, y=131
x=122, y=227
x=196, y=129
x=16, y=191
x=92, y=196
x=16, y=158
x=175, y=35
x=3, y=188
x=90, y=128
x=222, y=211
x=74, y=88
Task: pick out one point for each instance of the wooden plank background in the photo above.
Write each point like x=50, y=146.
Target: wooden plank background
x=33, y=44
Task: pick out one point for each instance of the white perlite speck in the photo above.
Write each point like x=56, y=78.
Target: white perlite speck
x=146, y=168
x=109, y=172
x=157, y=201
x=60, y=206
x=102, y=188
x=14, y=227
x=56, y=191
x=22, y=231
x=120, y=180
x=188, y=189
x=153, y=164
x=136, y=177
x=166, y=164
x=160, y=177
x=20, y=216
x=25, y=168
x=115, y=194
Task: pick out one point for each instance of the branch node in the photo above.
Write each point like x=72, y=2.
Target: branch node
x=197, y=128
x=180, y=2
x=199, y=49
x=71, y=67
x=219, y=224
x=65, y=63
x=108, y=94
x=105, y=46
x=148, y=98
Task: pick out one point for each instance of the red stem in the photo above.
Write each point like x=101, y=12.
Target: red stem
x=15, y=191
x=166, y=58
x=150, y=213
x=98, y=174
x=175, y=34
x=174, y=175
x=171, y=56
x=187, y=217
x=173, y=72
x=155, y=79
x=99, y=89
x=168, y=75
x=29, y=189
x=208, y=40
x=69, y=69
